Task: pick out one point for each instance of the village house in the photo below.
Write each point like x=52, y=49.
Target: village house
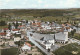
x=48, y=38
x=6, y=33
x=12, y=27
x=48, y=41
x=28, y=27
x=22, y=28
x=2, y=35
x=45, y=27
x=5, y=30
x=67, y=27
x=26, y=47
x=15, y=31
x=17, y=39
x=47, y=45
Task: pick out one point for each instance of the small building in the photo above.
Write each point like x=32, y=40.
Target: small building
x=69, y=29
x=12, y=27
x=47, y=45
x=15, y=31
x=21, y=27
x=2, y=35
x=49, y=39
x=17, y=39
x=5, y=30
x=26, y=47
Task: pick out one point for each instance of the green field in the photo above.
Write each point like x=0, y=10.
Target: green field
x=40, y=14
x=70, y=49
x=10, y=51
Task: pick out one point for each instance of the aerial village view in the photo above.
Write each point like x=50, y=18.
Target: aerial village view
x=39, y=27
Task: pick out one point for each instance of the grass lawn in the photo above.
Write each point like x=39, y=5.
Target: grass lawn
x=1, y=27
x=70, y=49
x=76, y=36
x=10, y=51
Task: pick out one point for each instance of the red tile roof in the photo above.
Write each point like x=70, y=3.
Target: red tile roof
x=41, y=28
x=2, y=33
x=38, y=23
x=28, y=44
x=67, y=27
x=63, y=24
x=5, y=29
x=34, y=24
x=21, y=26
x=15, y=29
x=61, y=30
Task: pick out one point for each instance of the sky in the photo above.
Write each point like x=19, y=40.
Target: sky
x=39, y=4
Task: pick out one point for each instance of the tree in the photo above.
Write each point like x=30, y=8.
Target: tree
x=13, y=23
x=26, y=21
x=16, y=26
x=19, y=43
x=72, y=32
x=2, y=23
x=10, y=51
x=9, y=26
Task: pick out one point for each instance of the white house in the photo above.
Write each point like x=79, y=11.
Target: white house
x=5, y=29
x=78, y=24
x=8, y=34
x=17, y=39
x=46, y=27
x=69, y=29
x=48, y=45
x=47, y=40
x=2, y=35
x=15, y=31
x=12, y=27
x=26, y=47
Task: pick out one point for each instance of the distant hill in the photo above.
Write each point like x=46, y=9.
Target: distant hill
x=36, y=12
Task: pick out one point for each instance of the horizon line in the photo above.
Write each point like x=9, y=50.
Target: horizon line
x=38, y=8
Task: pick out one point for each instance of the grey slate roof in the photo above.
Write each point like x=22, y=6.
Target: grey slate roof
x=44, y=37
x=60, y=36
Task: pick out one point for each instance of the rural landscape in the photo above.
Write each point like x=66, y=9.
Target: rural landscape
x=40, y=31
x=39, y=27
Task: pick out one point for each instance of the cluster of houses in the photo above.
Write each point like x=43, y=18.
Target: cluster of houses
x=60, y=32
x=49, y=26
x=50, y=39
x=54, y=33
x=15, y=35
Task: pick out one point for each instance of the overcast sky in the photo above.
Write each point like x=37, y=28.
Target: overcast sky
x=39, y=4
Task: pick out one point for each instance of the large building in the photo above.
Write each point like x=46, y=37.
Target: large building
x=61, y=37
